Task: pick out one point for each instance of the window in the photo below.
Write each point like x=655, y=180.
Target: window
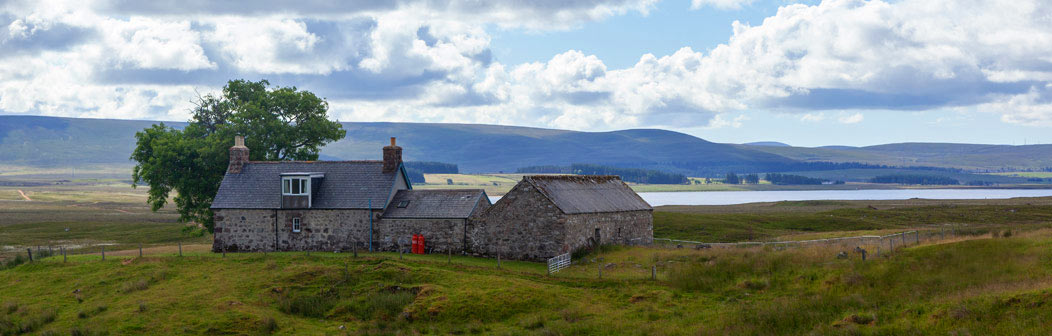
x=403, y=204
x=295, y=224
x=295, y=186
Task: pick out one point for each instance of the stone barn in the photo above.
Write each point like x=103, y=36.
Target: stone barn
x=544, y=216
x=335, y=205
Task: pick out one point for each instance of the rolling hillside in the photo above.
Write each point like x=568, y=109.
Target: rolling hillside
x=965, y=156
x=51, y=142
x=68, y=143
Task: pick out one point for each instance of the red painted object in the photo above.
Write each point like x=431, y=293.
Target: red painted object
x=421, y=245
x=415, y=243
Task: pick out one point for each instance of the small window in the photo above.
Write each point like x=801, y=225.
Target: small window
x=295, y=186
x=295, y=224
x=403, y=204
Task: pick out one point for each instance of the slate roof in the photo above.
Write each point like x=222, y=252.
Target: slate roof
x=456, y=203
x=346, y=185
x=577, y=194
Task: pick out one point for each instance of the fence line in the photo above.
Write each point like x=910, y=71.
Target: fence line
x=904, y=237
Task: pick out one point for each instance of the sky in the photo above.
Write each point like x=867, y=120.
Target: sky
x=807, y=73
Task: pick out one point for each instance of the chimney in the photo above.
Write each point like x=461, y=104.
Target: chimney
x=392, y=157
x=238, y=156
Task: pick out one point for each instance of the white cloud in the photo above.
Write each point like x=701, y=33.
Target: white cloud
x=721, y=4
x=851, y=119
x=155, y=44
x=813, y=117
x=425, y=61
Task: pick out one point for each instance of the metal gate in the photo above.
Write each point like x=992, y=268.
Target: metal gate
x=558, y=262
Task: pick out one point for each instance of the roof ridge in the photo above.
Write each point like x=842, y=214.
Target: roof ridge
x=319, y=161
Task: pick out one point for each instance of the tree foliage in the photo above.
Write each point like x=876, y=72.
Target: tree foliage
x=915, y=179
x=279, y=124
x=787, y=179
x=731, y=178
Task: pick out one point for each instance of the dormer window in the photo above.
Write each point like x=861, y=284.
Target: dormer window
x=403, y=204
x=295, y=186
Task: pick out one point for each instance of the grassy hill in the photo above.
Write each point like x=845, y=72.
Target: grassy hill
x=979, y=287
x=965, y=156
x=979, y=283
x=70, y=142
x=100, y=146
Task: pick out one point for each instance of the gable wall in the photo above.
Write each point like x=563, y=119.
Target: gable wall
x=522, y=225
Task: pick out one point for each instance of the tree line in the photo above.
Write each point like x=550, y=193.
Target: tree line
x=636, y=175
x=915, y=179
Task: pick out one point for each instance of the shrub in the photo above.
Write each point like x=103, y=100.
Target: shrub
x=308, y=305
x=384, y=304
x=268, y=325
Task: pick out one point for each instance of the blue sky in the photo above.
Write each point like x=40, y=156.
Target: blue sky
x=808, y=73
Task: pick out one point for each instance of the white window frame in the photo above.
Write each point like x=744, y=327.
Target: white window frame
x=289, y=184
x=296, y=225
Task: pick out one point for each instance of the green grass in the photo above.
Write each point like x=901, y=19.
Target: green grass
x=1025, y=174
x=765, y=221
x=984, y=286
x=92, y=213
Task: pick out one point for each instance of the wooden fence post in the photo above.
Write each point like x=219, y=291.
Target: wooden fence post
x=498, y=259
x=63, y=248
x=653, y=272
x=355, y=249
x=599, y=266
x=30, y=252
x=103, y=252
x=180, y=249
x=140, y=250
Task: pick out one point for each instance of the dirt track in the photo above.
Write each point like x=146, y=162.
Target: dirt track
x=24, y=195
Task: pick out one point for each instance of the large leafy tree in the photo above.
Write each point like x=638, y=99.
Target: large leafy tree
x=279, y=124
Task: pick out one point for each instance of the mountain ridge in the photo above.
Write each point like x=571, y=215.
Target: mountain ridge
x=479, y=148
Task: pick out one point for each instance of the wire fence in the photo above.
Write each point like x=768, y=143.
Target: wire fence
x=881, y=244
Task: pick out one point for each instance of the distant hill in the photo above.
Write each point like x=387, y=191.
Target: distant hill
x=767, y=143
x=964, y=156
x=58, y=142
x=74, y=143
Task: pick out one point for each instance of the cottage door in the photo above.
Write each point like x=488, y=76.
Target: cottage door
x=598, y=241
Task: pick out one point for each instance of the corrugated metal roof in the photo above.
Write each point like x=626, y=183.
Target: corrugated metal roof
x=575, y=194
x=455, y=203
x=346, y=185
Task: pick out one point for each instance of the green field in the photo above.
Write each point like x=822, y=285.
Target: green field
x=993, y=279
x=803, y=219
x=980, y=286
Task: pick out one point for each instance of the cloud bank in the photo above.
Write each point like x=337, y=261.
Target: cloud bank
x=431, y=61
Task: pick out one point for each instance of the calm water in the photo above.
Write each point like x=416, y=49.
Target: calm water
x=739, y=197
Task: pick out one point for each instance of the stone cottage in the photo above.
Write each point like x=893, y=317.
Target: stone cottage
x=335, y=205
x=544, y=216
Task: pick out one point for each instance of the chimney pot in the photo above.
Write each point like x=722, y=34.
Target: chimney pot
x=238, y=156
x=392, y=157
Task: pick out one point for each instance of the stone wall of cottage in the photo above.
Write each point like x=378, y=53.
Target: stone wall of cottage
x=440, y=235
x=522, y=225
x=619, y=228
x=243, y=230
x=320, y=230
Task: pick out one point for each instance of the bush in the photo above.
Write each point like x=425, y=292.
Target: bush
x=308, y=305
x=384, y=304
x=268, y=325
